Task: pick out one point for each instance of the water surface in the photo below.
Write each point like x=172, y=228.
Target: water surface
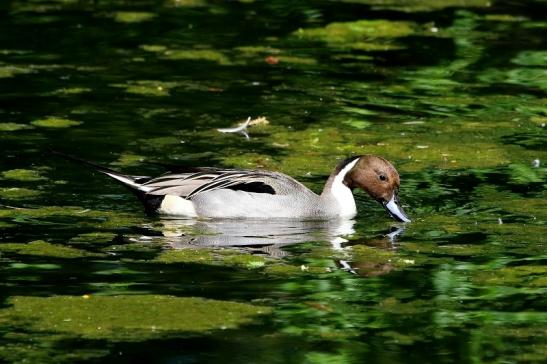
x=454, y=93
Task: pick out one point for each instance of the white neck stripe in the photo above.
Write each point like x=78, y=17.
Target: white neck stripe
x=339, y=178
x=342, y=194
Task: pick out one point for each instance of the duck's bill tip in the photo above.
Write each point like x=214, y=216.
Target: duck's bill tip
x=395, y=210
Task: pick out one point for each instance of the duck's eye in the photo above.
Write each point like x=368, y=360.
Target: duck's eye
x=382, y=177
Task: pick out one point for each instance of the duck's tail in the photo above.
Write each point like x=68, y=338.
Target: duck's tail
x=134, y=183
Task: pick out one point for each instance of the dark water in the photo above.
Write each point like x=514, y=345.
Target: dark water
x=454, y=93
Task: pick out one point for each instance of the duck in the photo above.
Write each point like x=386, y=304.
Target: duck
x=210, y=193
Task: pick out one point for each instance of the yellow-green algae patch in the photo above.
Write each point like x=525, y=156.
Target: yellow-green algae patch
x=128, y=318
x=358, y=34
x=280, y=269
x=512, y=203
x=129, y=159
x=44, y=249
x=8, y=71
x=517, y=276
x=23, y=175
x=421, y=5
x=411, y=147
x=133, y=16
x=197, y=55
x=225, y=257
x=71, y=91
x=153, y=48
x=18, y=193
x=185, y=3
x=85, y=217
x=371, y=260
x=236, y=259
x=248, y=261
x=94, y=238
x=14, y=126
x=186, y=256
x=55, y=123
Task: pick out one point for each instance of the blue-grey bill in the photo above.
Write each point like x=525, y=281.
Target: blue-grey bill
x=395, y=209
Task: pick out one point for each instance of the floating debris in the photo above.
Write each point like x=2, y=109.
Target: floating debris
x=262, y=120
x=240, y=129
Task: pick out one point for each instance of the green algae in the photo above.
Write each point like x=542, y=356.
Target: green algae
x=504, y=18
x=186, y=256
x=54, y=122
x=356, y=31
x=18, y=193
x=411, y=146
x=44, y=249
x=186, y=3
x=153, y=48
x=60, y=214
x=357, y=124
x=257, y=50
x=373, y=261
x=273, y=56
x=14, y=127
x=297, y=60
x=122, y=318
x=532, y=206
x=279, y=269
x=129, y=159
x=71, y=91
x=133, y=16
x=421, y=5
x=9, y=71
x=514, y=276
x=93, y=238
x=359, y=34
x=472, y=205
x=159, y=142
x=225, y=257
x=247, y=261
x=208, y=55
x=42, y=266
x=235, y=258
x=23, y=175
x=147, y=87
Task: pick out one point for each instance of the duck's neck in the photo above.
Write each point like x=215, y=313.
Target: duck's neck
x=336, y=191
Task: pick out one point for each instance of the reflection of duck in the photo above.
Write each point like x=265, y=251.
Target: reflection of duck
x=371, y=267
x=233, y=193
x=251, y=233
x=254, y=236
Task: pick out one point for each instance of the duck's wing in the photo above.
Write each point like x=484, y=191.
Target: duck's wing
x=189, y=185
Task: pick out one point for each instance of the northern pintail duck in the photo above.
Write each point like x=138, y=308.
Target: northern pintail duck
x=238, y=193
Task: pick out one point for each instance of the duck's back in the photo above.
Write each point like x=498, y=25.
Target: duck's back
x=228, y=193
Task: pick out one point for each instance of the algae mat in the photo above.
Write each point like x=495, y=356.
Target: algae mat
x=127, y=318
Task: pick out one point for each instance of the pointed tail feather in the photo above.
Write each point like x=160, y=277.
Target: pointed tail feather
x=133, y=182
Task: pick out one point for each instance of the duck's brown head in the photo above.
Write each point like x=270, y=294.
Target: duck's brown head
x=380, y=180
